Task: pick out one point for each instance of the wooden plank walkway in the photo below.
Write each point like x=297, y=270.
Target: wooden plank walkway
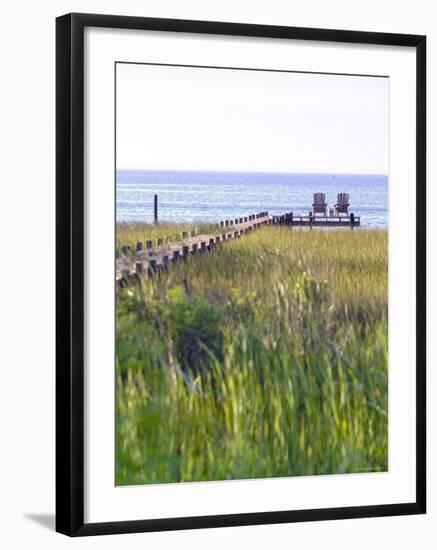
x=143, y=262
x=149, y=259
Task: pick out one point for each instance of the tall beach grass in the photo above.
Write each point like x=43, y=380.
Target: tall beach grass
x=267, y=358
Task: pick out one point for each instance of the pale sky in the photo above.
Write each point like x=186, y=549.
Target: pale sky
x=179, y=118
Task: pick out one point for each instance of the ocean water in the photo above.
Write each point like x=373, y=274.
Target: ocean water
x=185, y=196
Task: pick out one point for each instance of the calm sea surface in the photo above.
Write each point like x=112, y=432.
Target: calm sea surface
x=211, y=196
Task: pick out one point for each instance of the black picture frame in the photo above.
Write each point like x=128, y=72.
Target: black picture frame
x=70, y=273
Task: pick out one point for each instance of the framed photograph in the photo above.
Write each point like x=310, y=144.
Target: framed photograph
x=240, y=274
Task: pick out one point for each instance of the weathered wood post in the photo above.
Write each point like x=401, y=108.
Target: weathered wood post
x=352, y=217
x=194, y=248
x=149, y=245
x=165, y=262
x=185, y=251
x=310, y=214
x=139, y=269
x=176, y=254
x=203, y=247
x=155, y=208
x=211, y=244
x=153, y=266
x=139, y=247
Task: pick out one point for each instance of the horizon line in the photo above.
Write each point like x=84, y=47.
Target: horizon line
x=254, y=171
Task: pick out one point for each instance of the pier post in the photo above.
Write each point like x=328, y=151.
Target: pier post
x=139, y=247
x=139, y=269
x=176, y=254
x=352, y=218
x=155, y=208
x=153, y=266
x=165, y=262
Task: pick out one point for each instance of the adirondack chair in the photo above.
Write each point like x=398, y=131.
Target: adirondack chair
x=319, y=205
x=342, y=205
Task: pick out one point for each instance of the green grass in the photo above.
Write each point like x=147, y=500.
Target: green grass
x=267, y=358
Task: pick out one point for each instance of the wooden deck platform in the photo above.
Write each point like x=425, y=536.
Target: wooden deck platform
x=312, y=220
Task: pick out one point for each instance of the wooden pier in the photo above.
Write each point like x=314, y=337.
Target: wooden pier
x=312, y=220
x=150, y=258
